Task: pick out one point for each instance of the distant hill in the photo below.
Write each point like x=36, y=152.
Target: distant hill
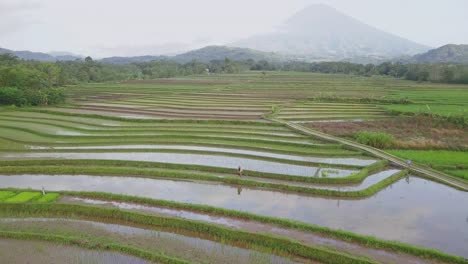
x=205, y=54
x=38, y=56
x=450, y=53
x=127, y=60
x=210, y=53
x=320, y=31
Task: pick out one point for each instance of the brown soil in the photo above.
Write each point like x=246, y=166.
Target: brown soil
x=417, y=132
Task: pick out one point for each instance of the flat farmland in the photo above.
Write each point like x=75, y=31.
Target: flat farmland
x=199, y=169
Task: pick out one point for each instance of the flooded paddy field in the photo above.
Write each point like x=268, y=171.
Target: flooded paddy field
x=404, y=211
x=341, y=161
x=192, y=159
x=311, y=238
x=40, y=252
x=172, y=244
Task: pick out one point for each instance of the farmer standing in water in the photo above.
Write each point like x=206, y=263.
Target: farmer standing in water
x=408, y=163
x=239, y=171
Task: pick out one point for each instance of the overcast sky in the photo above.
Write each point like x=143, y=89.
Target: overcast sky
x=122, y=27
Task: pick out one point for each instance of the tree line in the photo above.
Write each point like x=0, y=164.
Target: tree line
x=25, y=83
x=39, y=83
x=29, y=83
x=444, y=73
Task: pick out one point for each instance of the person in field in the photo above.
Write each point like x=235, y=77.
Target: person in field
x=239, y=171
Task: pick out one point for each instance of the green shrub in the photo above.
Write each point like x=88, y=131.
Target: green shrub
x=459, y=120
x=12, y=96
x=375, y=139
x=55, y=96
x=36, y=97
x=22, y=97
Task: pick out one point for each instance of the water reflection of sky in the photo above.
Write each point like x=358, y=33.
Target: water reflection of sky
x=419, y=212
x=190, y=243
x=196, y=159
x=343, y=161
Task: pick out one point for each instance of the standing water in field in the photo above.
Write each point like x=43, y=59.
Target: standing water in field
x=42, y=252
x=419, y=211
x=195, y=159
x=200, y=250
x=341, y=161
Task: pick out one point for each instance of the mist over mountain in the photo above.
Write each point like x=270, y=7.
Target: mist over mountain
x=210, y=53
x=316, y=33
x=40, y=56
x=320, y=31
x=450, y=53
x=134, y=59
x=205, y=54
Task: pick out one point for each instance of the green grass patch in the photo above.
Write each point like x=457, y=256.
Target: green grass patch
x=6, y=194
x=434, y=158
x=23, y=197
x=48, y=198
x=463, y=174
x=434, y=109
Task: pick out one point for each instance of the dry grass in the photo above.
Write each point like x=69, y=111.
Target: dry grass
x=418, y=132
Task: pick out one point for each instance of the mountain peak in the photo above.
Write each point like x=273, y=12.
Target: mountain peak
x=322, y=31
x=317, y=9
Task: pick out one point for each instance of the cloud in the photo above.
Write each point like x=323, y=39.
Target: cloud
x=122, y=27
x=10, y=8
x=16, y=15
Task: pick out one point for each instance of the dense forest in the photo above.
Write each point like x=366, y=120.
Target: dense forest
x=38, y=83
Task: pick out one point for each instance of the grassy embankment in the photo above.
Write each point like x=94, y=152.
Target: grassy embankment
x=157, y=174
x=265, y=242
x=368, y=241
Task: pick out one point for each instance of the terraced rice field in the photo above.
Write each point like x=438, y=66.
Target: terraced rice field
x=451, y=101
x=319, y=111
x=148, y=172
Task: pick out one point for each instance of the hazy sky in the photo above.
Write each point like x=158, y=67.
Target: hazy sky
x=137, y=27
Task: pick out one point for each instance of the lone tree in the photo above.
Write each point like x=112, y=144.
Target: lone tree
x=88, y=59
